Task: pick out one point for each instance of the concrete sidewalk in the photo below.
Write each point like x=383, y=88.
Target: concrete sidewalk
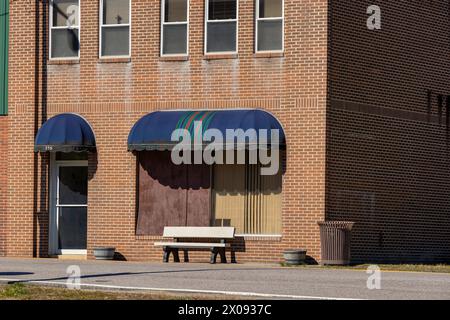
x=253, y=280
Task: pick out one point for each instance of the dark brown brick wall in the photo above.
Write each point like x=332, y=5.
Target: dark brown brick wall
x=388, y=154
x=113, y=95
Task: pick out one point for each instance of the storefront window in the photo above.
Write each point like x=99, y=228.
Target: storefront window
x=235, y=195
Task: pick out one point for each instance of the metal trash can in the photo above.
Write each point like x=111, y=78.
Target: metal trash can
x=335, y=239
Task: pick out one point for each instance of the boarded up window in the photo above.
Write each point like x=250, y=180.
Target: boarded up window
x=171, y=195
x=247, y=200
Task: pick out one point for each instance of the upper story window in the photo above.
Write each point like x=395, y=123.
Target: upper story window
x=115, y=22
x=221, y=26
x=175, y=26
x=269, y=25
x=64, y=29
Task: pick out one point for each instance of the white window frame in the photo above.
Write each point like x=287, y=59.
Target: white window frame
x=257, y=19
x=163, y=23
x=53, y=239
x=101, y=26
x=207, y=21
x=51, y=28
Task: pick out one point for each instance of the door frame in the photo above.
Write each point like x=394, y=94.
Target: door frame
x=53, y=246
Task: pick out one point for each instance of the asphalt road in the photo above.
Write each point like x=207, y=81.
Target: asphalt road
x=254, y=280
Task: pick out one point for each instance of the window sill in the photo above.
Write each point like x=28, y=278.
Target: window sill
x=246, y=237
x=174, y=58
x=63, y=61
x=255, y=237
x=269, y=55
x=114, y=60
x=212, y=56
x=148, y=237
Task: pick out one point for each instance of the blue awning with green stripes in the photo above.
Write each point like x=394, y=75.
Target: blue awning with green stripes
x=154, y=131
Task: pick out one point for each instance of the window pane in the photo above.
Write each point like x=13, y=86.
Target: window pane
x=175, y=11
x=174, y=39
x=221, y=37
x=65, y=43
x=222, y=9
x=246, y=200
x=270, y=35
x=65, y=13
x=229, y=197
x=115, y=41
x=72, y=227
x=73, y=185
x=116, y=11
x=270, y=8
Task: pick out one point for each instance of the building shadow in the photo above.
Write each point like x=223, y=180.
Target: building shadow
x=12, y=273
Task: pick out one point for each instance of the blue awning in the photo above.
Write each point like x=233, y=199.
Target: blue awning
x=154, y=130
x=67, y=132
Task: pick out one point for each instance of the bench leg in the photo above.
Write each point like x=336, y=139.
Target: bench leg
x=223, y=256
x=186, y=255
x=176, y=257
x=166, y=254
x=214, y=253
x=233, y=256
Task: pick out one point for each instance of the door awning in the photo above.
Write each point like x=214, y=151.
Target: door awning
x=67, y=132
x=154, y=130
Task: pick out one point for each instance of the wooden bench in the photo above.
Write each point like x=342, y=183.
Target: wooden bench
x=221, y=234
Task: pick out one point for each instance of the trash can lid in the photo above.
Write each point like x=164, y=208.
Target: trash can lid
x=336, y=224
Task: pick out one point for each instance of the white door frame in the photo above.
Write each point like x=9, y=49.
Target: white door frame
x=53, y=194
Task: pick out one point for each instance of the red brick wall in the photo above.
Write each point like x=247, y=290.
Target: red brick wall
x=3, y=181
x=114, y=95
x=388, y=164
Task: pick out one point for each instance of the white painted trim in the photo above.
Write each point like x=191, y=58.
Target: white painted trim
x=257, y=19
x=163, y=23
x=72, y=252
x=53, y=228
x=51, y=27
x=207, y=21
x=254, y=235
x=101, y=26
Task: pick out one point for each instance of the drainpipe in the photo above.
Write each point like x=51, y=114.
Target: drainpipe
x=40, y=116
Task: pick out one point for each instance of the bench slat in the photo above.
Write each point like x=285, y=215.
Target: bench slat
x=199, y=232
x=191, y=245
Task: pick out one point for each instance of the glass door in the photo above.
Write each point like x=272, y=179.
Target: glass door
x=71, y=208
